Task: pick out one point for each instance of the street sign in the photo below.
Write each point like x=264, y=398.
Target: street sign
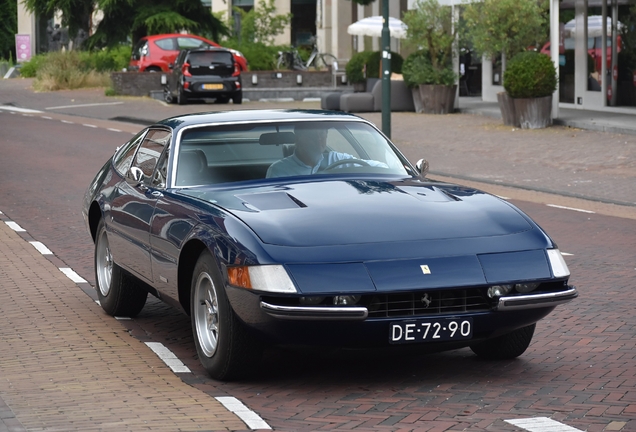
x=23, y=47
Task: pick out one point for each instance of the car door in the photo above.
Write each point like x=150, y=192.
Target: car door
x=133, y=205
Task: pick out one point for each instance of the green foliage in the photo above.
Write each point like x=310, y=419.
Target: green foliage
x=29, y=69
x=355, y=68
x=259, y=56
x=262, y=23
x=8, y=28
x=627, y=56
x=374, y=64
x=418, y=69
x=430, y=28
x=106, y=60
x=67, y=70
x=530, y=75
x=505, y=26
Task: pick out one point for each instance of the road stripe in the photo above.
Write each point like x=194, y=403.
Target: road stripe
x=251, y=419
x=16, y=109
x=46, y=117
x=89, y=125
x=67, y=122
x=541, y=424
x=41, y=248
x=168, y=357
x=83, y=105
x=570, y=208
x=14, y=226
x=113, y=130
x=72, y=275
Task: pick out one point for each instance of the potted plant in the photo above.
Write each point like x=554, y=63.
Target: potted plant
x=431, y=30
x=355, y=70
x=530, y=80
x=504, y=28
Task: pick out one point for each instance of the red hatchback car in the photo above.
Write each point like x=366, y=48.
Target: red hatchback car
x=155, y=53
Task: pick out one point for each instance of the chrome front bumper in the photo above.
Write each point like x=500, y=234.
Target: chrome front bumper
x=531, y=301
x=354, y=313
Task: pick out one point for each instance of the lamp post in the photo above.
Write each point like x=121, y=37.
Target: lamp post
x=386, y=71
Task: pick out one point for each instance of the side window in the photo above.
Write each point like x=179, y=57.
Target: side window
x=189, y=43
x=161, y=173
x=165, y=44
x=150, y=151
x=124, y=156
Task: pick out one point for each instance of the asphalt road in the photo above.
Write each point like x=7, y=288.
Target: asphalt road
x=580, y=369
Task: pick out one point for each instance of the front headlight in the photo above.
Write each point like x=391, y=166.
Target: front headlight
x=559, y=267
x=270, y=278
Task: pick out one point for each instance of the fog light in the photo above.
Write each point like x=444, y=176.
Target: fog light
x=526, y=287
x=499, y=290
x=311, y=300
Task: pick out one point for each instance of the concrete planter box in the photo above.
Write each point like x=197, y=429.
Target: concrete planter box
x=534, y=113
x=437, y=99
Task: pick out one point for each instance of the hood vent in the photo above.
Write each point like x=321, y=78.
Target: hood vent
x=271, y=201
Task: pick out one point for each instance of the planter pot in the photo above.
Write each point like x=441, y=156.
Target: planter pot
x=437, y=99
x=507, y=108
x=534, y=113
x=417, y=100
x=359, y=87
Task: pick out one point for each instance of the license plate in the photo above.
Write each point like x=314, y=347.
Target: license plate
x=430, y=330
x=212, y=86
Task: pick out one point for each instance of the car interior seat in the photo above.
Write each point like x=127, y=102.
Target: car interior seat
x=192, y=168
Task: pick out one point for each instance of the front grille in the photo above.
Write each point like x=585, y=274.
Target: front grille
x=425, y=303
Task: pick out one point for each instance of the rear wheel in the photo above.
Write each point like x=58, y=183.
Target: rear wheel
x=182, y=99
x=504, y=347
x=237, y=99
x=119, y=293
x=225, y=347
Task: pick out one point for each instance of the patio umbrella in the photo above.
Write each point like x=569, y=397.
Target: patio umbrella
x=594, y=26
x=372, y=26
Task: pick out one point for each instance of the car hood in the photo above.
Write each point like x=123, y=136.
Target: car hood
x=347, y=212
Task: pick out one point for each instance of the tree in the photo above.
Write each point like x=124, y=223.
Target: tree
x=505, y=27
x=131, y=19
x=8, y=28
x=261, y=24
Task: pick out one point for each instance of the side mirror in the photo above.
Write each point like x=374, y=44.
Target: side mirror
x=422, y=167
x=136, y=175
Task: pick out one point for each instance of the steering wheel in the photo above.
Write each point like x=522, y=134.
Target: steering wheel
x=347, y=161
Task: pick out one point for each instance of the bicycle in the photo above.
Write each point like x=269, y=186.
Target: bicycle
x=292, y=60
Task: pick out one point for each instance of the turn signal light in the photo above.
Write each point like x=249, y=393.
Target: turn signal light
x=239, y=276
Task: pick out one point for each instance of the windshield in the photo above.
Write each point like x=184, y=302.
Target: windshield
x=231, y=153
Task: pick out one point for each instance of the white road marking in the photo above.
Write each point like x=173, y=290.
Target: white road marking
x=113, y=130
x=41, y=248
x=83, y=105
x=89, y=125
x=67, y=122
x=168, y=357
x=46, y=117
x=541, y=424
x=570, y=208
x=16, y=109
x=15, y=227
x=251, y=419
x=72, y=275
x=27, y=115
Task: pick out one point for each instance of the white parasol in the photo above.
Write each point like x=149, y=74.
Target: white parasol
x=372, y=26
x=594, y=27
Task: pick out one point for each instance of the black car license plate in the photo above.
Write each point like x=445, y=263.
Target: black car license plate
x=430, y=330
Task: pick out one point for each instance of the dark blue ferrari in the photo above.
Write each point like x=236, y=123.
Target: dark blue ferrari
x=310, y=227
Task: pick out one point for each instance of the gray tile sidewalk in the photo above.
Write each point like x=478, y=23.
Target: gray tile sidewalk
x=588, y=155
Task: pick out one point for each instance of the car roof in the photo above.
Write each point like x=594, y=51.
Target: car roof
x=207, y=49
x=247, y=116
x=172, y=35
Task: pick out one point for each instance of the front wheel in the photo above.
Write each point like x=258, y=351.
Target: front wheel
x=225, y=348
x=505, y=347
x=119, y=293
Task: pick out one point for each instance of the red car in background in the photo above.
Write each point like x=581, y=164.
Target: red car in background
x=155, y=53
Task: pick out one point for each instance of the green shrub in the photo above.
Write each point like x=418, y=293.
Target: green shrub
x=418, y=69
x=107, y=60
x=30, y=69
x=259, y=56
x=374, y=65
x=530, y=75
x=355, y=68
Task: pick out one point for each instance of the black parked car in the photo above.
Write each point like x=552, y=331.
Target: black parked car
x=204, y=73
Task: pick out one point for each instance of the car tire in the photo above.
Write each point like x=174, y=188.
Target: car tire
x=237, y=99
x=504, y=347
x=119, y=293
x=167, y=96
x=182, y=99
x=225, y=347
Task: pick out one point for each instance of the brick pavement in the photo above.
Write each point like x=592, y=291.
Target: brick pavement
x=62, y=367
